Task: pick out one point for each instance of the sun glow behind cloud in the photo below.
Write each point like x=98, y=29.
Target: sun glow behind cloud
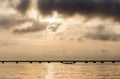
x=52, y=21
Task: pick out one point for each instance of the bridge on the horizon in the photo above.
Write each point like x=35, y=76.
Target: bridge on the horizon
x=58, y=61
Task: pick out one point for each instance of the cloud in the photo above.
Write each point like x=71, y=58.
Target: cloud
x=23, y=6
x=10, y=21
x=102, y=33
x=90, y=8
x=79, y=39
x=36, y=26
x=105, y=51
x=16, y=5
x=8, y=42
x=8, y=3
x=54, y=27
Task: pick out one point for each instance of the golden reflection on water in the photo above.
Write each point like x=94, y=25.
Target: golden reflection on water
x=60, y=71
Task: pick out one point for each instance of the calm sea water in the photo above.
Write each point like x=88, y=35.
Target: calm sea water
x=60, y=71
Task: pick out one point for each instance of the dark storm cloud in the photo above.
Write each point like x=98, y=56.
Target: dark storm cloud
x=103, y=33
x=23, y=6
x=105, y=8
x=34, y=28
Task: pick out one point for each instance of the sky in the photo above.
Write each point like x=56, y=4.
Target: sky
x=59, y=29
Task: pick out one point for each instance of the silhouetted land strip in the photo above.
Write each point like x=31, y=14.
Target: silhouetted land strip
x=59, y=61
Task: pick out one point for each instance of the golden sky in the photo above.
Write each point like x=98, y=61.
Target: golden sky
x=59, y=29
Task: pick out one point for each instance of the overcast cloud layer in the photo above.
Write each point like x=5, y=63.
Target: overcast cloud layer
x=88, y=8
x=71, y=27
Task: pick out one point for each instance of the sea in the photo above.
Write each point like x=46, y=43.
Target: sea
x=60, y=71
